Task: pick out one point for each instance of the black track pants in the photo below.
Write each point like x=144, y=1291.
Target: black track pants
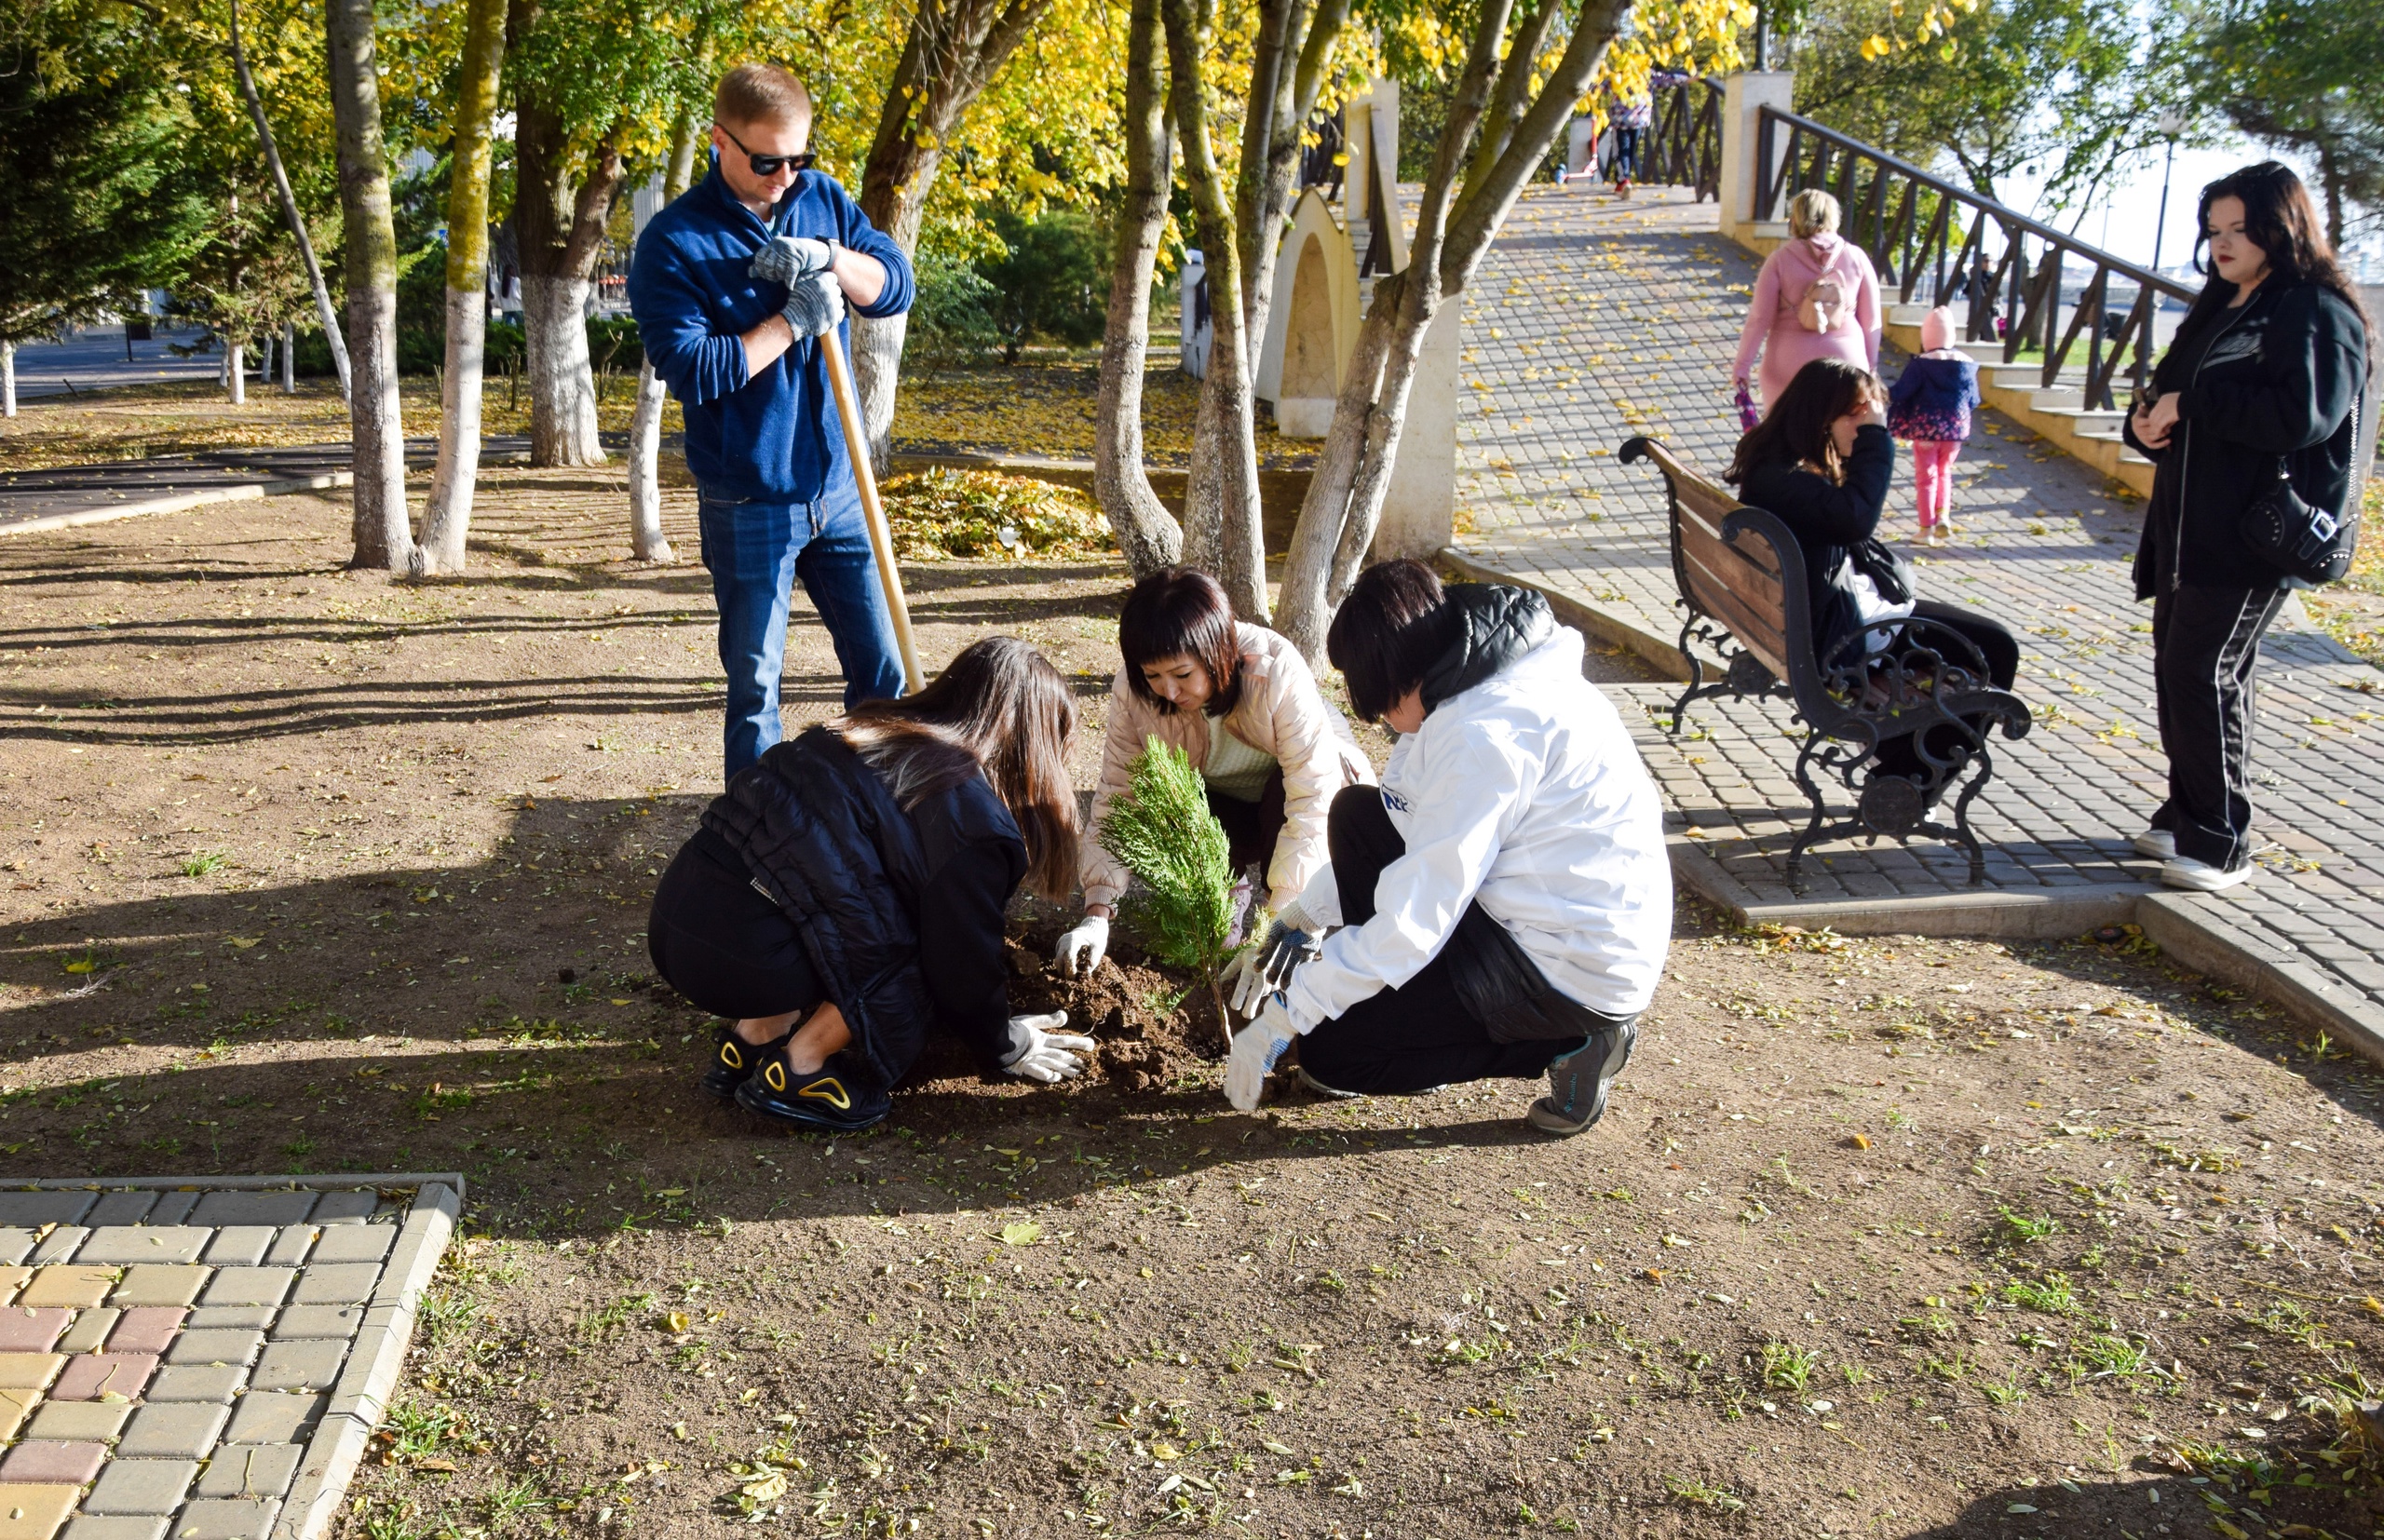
x=2205, y=647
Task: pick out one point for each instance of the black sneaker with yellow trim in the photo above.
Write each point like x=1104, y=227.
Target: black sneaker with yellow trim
x=834, y=1099
x=733, y=1062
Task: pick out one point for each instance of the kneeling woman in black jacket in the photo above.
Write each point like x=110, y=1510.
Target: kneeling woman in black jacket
x=848, y=891
x=1821, y=462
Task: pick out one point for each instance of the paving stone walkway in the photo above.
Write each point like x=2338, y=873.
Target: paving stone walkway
x=202, y=1360
x=1594, y=320
x=71, y=495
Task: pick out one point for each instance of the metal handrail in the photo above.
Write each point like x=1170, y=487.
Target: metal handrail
x=1684, y=141
x=1905, y=245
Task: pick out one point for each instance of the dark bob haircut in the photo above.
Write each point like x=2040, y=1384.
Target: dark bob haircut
x=1394, y=626
x=1179, y=612
x=1797, y=430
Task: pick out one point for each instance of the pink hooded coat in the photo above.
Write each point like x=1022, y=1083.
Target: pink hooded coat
x=1772, y=326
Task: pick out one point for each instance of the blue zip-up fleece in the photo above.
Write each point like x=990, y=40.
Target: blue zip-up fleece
x=774, y=438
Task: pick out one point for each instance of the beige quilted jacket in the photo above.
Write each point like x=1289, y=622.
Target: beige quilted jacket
x=1282, y=713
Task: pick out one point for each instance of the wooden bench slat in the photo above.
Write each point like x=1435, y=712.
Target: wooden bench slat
x=1766, y=637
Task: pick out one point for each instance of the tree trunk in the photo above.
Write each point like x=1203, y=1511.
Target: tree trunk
x=236, y=374
x=1146, y=534
x=323, y=311
x=8, y=378
x=560, y=231
x=447, y=520
x=645, y=425
x=951, y=48
x=384, y=533
x=1221, y=531
x=289, y=358
x=1455, y=226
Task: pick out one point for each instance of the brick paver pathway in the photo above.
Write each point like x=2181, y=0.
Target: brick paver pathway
x=1595, y=319
x=201, y=1361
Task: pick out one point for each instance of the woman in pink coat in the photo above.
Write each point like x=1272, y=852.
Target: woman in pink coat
x=1816, y=298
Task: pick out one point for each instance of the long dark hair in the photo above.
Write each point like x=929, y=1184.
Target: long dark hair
x=1796, y=430
x=1179, y=612
x=2281, y=219
x=1001, y=709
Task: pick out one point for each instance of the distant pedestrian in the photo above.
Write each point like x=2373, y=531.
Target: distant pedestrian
x=1929, y=409
x=1628, y=116
x=733, y=286
x=2267, y=390
x=1817, y=297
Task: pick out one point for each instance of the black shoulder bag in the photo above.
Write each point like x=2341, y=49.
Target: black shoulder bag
x=2308, y=545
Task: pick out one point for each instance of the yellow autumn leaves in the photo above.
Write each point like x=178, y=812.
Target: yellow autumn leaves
x=1936, y=21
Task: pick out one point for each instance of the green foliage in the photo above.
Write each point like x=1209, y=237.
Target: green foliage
x=1161, y=828
x=2306, y=75
x=2070, y=91
x=937, y=514
x=1047, y=282
x=952, y=320
x=91, y=195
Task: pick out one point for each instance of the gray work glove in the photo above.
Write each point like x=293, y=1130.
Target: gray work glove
x=814, y=305
x=1264, y=967
x=791, y=257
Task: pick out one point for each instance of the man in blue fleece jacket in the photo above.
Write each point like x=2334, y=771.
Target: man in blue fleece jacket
x=733, y=287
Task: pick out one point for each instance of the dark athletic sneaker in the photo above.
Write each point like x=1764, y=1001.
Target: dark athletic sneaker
x=1577, y=1084
x=733, y=1062
x=1321, y=1088
x=834, y=1099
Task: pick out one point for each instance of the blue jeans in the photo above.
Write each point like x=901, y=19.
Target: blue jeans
x=754, y=552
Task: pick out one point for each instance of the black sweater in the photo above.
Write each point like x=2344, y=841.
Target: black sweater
x=2275, y=381
x=1829, y=518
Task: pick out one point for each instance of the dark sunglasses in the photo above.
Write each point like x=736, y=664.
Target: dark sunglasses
x=768, y=166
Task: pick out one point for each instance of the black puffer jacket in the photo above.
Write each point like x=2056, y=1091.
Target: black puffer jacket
x=2283, y=380
x=1490, y=628
x=868, y=885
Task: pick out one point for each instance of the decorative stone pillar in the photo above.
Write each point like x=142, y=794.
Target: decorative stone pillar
x=1743, y=99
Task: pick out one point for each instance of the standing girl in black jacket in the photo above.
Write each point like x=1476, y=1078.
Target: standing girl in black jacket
x=848, y=891
x=2265, y=378
x=1821, y=462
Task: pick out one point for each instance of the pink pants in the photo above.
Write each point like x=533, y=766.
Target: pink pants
x=1932, y=470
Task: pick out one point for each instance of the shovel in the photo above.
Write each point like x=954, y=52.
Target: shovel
x=881, y=539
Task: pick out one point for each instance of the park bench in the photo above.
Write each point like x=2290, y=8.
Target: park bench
x=1743, y=584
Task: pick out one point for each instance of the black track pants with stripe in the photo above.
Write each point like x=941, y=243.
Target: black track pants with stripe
x=2205, y=648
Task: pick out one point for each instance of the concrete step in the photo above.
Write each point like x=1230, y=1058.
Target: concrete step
x=2082, y=421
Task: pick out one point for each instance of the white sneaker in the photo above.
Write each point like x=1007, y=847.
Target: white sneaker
x=2157, y=843
x=2201, y=876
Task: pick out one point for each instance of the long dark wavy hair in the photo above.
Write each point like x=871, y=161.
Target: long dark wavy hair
x=1001, y=709
x=1797, y=431
x=2281, y=219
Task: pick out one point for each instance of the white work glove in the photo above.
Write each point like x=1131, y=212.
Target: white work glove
x=1088, y=942
x=1265, y=967
x=1255, y=1049
x=788, y=258
x=1039, y=1051
x=815, y=303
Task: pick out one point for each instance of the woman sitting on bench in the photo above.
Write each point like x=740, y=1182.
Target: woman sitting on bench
x=1821, y=462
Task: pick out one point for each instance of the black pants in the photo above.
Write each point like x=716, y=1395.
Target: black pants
x=716, y=940
x=1252, y=827
x=1997, y=646
x=1420, y=1035
x=2206, y=645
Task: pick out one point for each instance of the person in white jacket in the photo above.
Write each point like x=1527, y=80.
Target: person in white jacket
x=1241, y=702
x=1503, y=902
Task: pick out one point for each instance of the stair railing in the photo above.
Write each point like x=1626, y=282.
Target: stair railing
x=1929, y=236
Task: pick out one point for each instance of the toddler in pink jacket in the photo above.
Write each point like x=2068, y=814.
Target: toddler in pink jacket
x=1929, y=409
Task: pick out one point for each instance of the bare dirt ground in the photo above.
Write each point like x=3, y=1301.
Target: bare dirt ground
x=307, y=870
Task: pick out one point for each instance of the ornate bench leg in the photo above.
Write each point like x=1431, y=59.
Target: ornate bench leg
x=1696, y=676
x=1813, y=741
x=1963, y=836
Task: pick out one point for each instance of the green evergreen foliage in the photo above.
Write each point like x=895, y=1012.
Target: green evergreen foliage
x=1164, y=832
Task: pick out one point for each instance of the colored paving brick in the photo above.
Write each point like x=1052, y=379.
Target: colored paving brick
x=34, y=1512
x=174, y=1351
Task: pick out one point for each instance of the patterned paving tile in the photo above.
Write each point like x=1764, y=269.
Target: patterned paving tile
x=188, y=1360
x=1594, y=320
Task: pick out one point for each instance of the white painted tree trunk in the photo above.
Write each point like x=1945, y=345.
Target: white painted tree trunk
x=289, y=358
x=264, y=360
x=8, y=379
x=563, y=384
x=447, y=518
x=645, y=470
x=383, y=528
x=236, y=374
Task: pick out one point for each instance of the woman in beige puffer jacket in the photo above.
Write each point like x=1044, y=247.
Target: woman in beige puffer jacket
x=1243, y=704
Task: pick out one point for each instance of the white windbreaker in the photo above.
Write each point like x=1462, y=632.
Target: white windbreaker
x=1526, y=792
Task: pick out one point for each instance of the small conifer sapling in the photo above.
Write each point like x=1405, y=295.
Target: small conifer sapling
x=1161, y=828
